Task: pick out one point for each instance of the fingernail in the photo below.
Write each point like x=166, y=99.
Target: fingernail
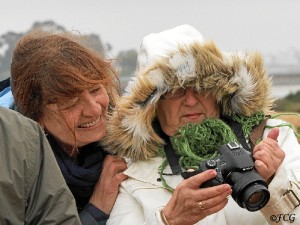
x=227, y=187
x=213, y=172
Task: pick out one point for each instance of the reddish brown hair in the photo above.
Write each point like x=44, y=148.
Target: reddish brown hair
x=47, y=67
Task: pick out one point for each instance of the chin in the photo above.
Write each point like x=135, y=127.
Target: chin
x=195, y=120
x=89, y=140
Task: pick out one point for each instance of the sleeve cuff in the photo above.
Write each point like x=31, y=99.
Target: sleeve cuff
x=159, y=220
x=99, y=216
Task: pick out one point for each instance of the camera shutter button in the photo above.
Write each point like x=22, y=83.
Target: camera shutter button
x=211, y=164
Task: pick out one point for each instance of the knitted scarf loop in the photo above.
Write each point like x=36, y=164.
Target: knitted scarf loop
x=195, y=143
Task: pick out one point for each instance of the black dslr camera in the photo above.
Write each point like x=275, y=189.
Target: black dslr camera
x=235, y=167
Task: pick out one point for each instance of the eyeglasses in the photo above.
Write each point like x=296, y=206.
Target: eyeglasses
x=174, y=94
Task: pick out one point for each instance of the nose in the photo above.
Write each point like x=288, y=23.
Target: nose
x=191, y=98
x=91, y=107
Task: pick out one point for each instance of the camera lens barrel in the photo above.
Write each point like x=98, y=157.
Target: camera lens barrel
x=249, y=190
x=255, y=197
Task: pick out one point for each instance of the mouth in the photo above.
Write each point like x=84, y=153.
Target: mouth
x=89, y=124
x=192, y=115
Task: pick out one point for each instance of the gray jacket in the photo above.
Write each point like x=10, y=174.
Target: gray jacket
x=32, y=189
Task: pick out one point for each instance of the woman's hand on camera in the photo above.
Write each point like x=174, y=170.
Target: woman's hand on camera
x=190, y=204
x=107, y=187
x=268, y=155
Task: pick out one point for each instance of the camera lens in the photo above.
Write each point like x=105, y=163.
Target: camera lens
x=255, y=197
x=249, y=190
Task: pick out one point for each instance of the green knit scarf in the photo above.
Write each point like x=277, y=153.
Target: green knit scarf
x=195, y=143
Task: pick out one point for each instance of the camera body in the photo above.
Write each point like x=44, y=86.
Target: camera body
x=235, y=167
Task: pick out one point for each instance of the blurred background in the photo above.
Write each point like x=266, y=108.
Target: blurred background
x=115, y=29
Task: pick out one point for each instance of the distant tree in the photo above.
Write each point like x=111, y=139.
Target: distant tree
x=48, y=25
x=109, y=47
x=294, y=97
x=9, y=40
x=94, y=42
x=126, y=63
x=290, y=103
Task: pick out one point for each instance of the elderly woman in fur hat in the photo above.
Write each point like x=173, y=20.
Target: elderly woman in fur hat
x=187, y=101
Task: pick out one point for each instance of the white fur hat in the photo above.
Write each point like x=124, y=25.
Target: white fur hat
x=178, y=58
x=157, y=45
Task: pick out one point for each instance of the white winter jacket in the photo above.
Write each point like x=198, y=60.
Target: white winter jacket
x=142, y=195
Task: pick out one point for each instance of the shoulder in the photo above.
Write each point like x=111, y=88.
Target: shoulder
x=142, y=168
x=143, y=171
x=18, y=129
x=20, y=150
x=4, y=83
x=283, y=125
x=145, y=175
x=11, y=119
x=287, y=136
x=22, y=136
x=275, y=122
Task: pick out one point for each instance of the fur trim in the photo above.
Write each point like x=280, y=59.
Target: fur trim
x=239, y=83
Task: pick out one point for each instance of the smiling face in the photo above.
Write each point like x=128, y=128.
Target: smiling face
x=192, y=107
x=80, y=120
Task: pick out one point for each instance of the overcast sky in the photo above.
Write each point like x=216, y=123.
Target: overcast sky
x=269, y=26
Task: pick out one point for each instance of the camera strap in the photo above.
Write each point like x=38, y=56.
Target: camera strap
x=257, y=132
x=172, y=157
x=254, y=136
x=237, y=129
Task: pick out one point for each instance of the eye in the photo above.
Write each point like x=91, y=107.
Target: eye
x=97, y=90
x=68, y=104
x=173, y=94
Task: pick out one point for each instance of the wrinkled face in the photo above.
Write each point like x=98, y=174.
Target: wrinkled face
x=84, y=116
x=187, y=107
